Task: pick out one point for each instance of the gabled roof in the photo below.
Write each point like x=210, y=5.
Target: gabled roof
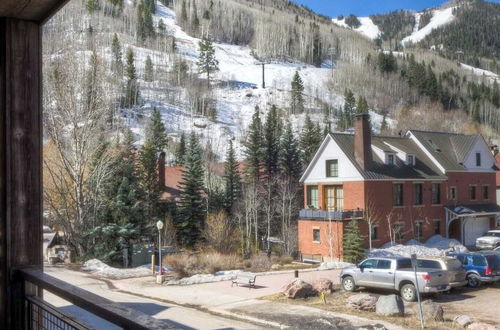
x=424, y=167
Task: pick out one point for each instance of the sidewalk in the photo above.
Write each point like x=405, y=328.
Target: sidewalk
x=243, y=303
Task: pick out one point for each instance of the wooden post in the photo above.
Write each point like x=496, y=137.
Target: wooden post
x=21, y=238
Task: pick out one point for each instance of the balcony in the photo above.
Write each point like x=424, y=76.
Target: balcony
x=330, y=215
x=35, y=313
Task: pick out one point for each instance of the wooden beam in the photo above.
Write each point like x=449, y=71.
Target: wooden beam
x=30, y=10
x=21, y=237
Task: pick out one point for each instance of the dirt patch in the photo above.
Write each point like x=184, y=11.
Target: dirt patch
x=337, y=302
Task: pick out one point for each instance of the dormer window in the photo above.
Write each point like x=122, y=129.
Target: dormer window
x=410, y=160
x=390, y=159
x=478, y=159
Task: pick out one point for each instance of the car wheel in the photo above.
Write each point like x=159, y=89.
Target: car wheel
x=473, y=281
x=408, y=292
x=348, y=284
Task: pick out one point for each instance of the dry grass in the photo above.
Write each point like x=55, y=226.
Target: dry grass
x=337, y=302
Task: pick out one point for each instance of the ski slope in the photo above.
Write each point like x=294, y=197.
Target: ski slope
x=491, y=76
x=367, y=27
x=440, y=18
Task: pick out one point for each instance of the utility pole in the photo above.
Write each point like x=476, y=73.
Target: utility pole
x=263, y=63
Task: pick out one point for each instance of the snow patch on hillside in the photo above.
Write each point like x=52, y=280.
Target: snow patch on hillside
x=367, y=28
x=492, y=76
x=440, y=17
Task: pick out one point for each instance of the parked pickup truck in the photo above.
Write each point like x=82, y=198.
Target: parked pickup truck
x=394, y=274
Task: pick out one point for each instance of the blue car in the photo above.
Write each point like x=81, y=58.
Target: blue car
x=481, y=267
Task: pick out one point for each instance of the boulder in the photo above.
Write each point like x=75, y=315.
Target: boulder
x=391, y=305
x=431, y=310
x=323, y=285
x=463, y=320
x=299, y=289
x=481, y=326
x=362, y=301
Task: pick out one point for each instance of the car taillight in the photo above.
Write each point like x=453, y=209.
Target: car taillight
x=426, y=277
x=488, y=271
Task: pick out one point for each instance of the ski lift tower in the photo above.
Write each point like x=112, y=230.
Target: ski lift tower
x=263, y=63
x=332, y=52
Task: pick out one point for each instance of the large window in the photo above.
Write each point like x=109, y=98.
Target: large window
x=332, y=168
x=334, y=198
x=486, y=192
x=453, y=193
x=417, y=194
x=374, y=234
x=472, y=192
x=419, y=230
x=397, y=194
x=312, y=197
x=316, y=235
x=436, y=193
x=437, y=227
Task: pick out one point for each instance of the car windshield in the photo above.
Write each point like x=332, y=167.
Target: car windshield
x=453, y=264
x=492, y=233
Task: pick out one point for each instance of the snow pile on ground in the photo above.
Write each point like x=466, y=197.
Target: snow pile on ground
x=226, y=275
x=367, y=27
x=440, y=17
x=333, y=265
x=435, y=246
x=98, y=268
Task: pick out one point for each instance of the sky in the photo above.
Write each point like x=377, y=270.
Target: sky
x=333, y=8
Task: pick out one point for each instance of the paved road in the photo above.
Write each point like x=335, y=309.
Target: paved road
x=184, y=317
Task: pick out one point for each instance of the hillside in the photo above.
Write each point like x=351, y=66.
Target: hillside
x=330, y=59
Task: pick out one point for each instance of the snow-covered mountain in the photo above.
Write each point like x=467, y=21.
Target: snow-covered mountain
x=367, y=27
x=440, y=17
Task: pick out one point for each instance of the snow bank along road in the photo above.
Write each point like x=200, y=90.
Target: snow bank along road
x=185, y=318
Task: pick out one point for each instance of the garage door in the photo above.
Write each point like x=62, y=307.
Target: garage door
x=475, y=228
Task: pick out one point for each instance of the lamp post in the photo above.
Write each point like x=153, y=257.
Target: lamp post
x=159, y=225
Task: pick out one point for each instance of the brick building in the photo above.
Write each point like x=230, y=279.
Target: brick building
x=408, y=187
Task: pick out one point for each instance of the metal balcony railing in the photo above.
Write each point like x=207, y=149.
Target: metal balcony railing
x=35, y=313
x=333, y=215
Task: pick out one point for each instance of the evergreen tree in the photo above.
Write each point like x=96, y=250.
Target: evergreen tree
x=353, y=243
x=192, y=206
x=180, y=152
x=131, y=75
x=207, y=62
x=116, y=61
x=148, y=69
x=92, y=5
x=161, y=26
x=232, y=179
x=148, y=174
x=253, y=147
x=132, y=95
x=297, y=102
x=272, y=135
x=289, y=156
x=156, y=133
x=349, y=109
x=384, y=126
x=362, y=106
x=310, y=140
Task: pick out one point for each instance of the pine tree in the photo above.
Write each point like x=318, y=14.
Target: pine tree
x=362, y=106
x=207, y=62
x=272, y=135
x=156, y=133
x=384, y=126
x=116, y=61
x=353, y=243
x=132, y=95
x=148, y=174
x=192, y=206
x=349, y=109
x=289, y=155
x=232, y=179
x=253, y=147
x=148, y=69
x=180, y=152
x=130, y=71
x=297, y=97
x=161, y=26
x=310, y=140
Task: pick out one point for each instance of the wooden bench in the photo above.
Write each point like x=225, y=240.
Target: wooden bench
x=245, y=279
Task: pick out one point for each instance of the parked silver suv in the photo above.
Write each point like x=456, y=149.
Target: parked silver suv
x=394, y=274
x=490, y=240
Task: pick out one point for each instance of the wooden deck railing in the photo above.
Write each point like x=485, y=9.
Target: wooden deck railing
x=38, y=314
x=333, y=215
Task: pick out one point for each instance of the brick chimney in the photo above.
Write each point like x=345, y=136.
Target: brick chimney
x=161, y=170
x=363, y=140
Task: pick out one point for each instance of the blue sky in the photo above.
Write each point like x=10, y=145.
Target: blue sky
x=333, y=8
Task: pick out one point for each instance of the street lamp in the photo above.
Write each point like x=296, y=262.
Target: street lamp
x=159, y=225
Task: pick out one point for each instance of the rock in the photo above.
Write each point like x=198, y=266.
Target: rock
x=463, y=320
x=362, y=301
x=481, y=326
x=323, y=285
x=299, y=289
x=431, y=310
x=391, y=305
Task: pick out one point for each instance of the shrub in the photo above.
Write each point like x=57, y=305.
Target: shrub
x=186, y=265
x=260, y=262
